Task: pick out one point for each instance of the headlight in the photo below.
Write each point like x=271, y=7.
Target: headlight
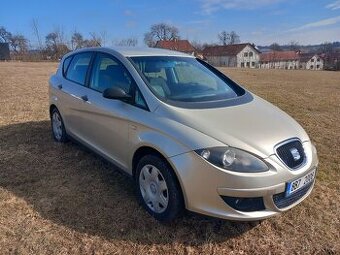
x=233, y=159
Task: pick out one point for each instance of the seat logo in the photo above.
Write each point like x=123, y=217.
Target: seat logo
x=295, y=153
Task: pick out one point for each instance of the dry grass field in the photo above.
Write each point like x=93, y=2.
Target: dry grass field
x=63, y=199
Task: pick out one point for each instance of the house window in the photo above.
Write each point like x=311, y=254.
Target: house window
x=245, y=54
x=242, y=64
x=311, y=67
x=252, y=63
x=250, y=54
x=318, y=60
x=317, y=66
x=248, y=64
x=312, y=60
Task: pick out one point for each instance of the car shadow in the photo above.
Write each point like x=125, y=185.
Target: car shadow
x=73, y=187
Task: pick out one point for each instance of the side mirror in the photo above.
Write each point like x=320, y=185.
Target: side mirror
x=116, y=93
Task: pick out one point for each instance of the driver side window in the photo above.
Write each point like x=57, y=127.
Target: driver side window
x=107, y=73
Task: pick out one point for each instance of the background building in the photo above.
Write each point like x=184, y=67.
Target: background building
x=177, y=45
x=4, y=51
x=315, y=63
x=280, y=60
x=234, y=55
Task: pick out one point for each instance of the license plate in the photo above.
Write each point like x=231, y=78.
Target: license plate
x=300, y=183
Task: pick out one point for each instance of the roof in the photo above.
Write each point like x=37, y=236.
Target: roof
x=304, y=57
x=145, y=51
x=279, y=56
x=134, y=51
x=225, y=50
x=179, y=45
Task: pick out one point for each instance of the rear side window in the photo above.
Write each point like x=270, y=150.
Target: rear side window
x=66, y=63
x=78, y=68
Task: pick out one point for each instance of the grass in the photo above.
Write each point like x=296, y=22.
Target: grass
x=63, y=199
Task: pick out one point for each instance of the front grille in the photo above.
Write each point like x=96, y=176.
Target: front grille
x=292, y=154
x=281, y=201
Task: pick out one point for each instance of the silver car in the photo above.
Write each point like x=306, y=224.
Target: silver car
x=188, y=135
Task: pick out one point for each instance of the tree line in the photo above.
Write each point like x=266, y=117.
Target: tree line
x=56, y=43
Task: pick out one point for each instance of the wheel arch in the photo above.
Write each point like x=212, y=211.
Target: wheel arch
x=147, y=150
x=52, y=106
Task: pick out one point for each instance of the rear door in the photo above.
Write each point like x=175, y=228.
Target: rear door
x=74, y=93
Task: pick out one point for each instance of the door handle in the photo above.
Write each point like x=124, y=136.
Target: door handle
x=60, y=86
x=85, y=98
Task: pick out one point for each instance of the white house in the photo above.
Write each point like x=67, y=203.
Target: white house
x=234, y=55
x=315, y=63
x=248, y=57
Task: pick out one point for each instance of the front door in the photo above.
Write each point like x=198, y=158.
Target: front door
x=107, y=120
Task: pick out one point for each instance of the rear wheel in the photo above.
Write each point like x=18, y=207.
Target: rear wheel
x=58, y=128
x=158, y=189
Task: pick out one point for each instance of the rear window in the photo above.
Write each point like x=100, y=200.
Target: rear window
x=66, y=63
x=78, y=66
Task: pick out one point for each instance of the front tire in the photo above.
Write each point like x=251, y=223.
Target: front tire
x=158, y=189
x=58, y=127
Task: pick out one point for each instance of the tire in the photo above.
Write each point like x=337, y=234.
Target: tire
x=158, y=189
x=58, y=127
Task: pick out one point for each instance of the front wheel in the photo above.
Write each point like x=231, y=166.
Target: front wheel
x=158, y=189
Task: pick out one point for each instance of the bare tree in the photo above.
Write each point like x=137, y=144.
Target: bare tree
x=228, y=37
x=149, y=40
x=197, y=45
x=35, y=28
x=275, y=47
x=19, y=44
x=95, y=41
x=223, y=38
x=326, y=47
x=5, y=36
x=294, y=45
x=77, y=41
x=55, y=44
x=129, y=42
x=159, y=32
x=234, y=38
x=103, y=36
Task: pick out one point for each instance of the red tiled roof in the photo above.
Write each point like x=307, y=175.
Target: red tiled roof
x=225, y=50
x=304, y=57
x=179, y=45
x=279, y=56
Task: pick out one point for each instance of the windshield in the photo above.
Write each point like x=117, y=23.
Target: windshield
x=184, y=79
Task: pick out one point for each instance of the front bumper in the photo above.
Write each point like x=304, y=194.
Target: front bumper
x=205, y=185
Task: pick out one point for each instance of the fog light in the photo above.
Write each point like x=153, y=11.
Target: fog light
x=245, y=204
x=228, y=158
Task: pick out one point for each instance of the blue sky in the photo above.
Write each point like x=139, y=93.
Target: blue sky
x=258, y=21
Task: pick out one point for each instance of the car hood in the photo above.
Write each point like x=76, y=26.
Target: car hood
x=256, y=126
